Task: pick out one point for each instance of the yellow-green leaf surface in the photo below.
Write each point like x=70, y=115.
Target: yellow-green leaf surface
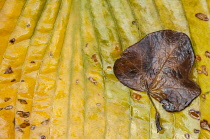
x=61, y=53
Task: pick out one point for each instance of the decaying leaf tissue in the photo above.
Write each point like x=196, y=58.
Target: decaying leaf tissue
x=160, y=64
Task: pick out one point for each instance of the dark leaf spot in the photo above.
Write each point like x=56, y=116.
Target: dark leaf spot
x=203, y=96
x=7, y=99
x=33, y=127
x=23, y=114
x=202, y=16
x=24, y=125
x=45, y=122
x=43, y=137
x=1, y=109
x=86, y=45
x=197, y=58
x=8, y=107
x=160, y=65
x=8, y=70
x=196, y=131
x=187, y=136
x=22, y=101
x=194, y=114
x=203, y=70
x=28, y=25
x=207, y=53
x=94, y=58
x=93, y=80
x=13, y=80
x=109, y=67
x=12, y=40
x=22, y=81
x=136, y=96
x=133, y=22
x=205, y=125
x=32, y=61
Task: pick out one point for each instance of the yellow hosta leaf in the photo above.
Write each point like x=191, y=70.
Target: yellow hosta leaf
x=59, y=57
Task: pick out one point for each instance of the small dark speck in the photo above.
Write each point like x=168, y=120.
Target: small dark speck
x=8, y=70
x=22, y=81
x=12, y=40
x=28, y=25
x=86, y=45
x=13, y=80
x=196, y=131
x=8, y=107
x=32, y=61
x=133, y=22
x=43, y=137
x=187, y=136
x=33, y=127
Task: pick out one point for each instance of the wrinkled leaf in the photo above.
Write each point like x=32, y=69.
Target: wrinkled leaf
x=160, y=64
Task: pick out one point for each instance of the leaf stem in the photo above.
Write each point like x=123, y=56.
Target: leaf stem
x=157, y=114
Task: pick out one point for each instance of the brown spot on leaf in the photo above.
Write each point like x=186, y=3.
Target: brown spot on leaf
x=45, y=122
x=8, y=107
x=194, y=114
x=43, y=137
x=24, y=125
x=109, y=67
x=207, y=54
x=203, y=70
x=86, y=45
x=12, y=40
x=203, y=96
x=51, y=54
x=33, y=127
x=136, y=96
x=19, y=129
x=197, y=58
x=133, y=22
x=32, y=61
x=205, y=125
x=93, y=80
x=13, y=80
x=28, y=25
x=187, y=136
x=94, y=58
x=23, y=114
x=7, y=99
x=22, y=81
x=202, y=16
x=1, y=109
x=196, y=131
x=22, y=101
x=8, y=70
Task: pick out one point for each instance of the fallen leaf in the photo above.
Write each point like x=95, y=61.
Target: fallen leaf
x=160, y=64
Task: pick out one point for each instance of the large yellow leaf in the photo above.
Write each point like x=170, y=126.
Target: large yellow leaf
x=61, y=53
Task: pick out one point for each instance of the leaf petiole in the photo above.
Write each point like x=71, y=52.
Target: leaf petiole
x=157, y=114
